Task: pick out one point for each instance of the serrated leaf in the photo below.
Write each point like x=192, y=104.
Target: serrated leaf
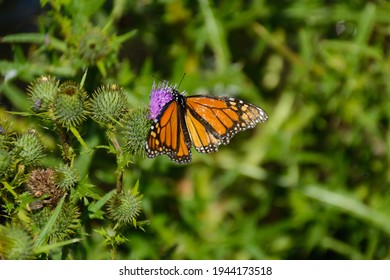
x=95, y=207
x=85, y=189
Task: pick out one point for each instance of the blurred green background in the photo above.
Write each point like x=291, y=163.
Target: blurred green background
x=311, y=183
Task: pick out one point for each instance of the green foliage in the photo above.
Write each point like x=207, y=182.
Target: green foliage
x=5, y=163
x=311, y=183
x=66, y=224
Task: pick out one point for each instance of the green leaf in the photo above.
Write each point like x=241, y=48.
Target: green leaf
x=36, y=38
x=47, y=248
x=85, y=189
x=49, y=225
x=95, y=207
x=79, y=138
x=350, y=205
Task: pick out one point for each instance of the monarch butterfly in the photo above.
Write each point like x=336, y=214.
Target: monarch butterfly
x=205, y=122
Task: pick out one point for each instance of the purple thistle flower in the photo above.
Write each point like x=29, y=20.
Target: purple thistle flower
x=159, y=96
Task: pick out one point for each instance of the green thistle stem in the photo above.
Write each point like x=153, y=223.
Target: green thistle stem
x=65, y=142
x=10, y=189
x=19, y=177
x=78, y=136
x=113, y=252
x=119, y=181
x=119, y=153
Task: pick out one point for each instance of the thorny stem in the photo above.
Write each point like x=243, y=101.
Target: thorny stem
x=115, y=143
x=64, y=137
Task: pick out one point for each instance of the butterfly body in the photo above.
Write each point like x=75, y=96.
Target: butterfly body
x=201, y=121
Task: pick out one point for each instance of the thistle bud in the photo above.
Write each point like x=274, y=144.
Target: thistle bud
x=15, y=243
x=65, y=226
x=70, y=105
x=135, y=132
x=29, y=149
x=66, y=177
x=124, y=208
x=42, y=91
x=109, y=104
x=94, y=45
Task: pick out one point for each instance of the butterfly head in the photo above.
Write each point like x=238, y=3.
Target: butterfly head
x=161, y=94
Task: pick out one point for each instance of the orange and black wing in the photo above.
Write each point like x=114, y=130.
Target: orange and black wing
x=168, y=135
x=212, y=121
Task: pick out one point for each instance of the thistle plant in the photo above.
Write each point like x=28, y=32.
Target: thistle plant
x=67, y=222
x=47, y=196
x=65, y=106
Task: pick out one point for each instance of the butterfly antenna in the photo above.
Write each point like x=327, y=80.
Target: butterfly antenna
x=182, y=78
x=157, y=78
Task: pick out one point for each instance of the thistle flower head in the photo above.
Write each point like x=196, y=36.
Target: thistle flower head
x=42, y=182
x=41, y=92
x=29, y=148
x=15, y=243
x=159, y=96
x=70, y=105
x=66, y=177
x=109, y=103
x=66, y=225
x=94, y=45
x=135, y=132
x=125, y=207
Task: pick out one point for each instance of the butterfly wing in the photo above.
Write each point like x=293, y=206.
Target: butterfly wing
x=215, y=120
x=168, y=135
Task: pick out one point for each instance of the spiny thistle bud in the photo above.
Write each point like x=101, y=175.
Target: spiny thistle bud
x=125, y=207
x=109, y=104
x=5, y=163
x=94, y=45
x=135, y=132
x=7, y=134
x=41, y=92
x=15, y=243
x=42, y=182
x=66, y=176
x=29, y=148
x=65, y=226
x=70, y=105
